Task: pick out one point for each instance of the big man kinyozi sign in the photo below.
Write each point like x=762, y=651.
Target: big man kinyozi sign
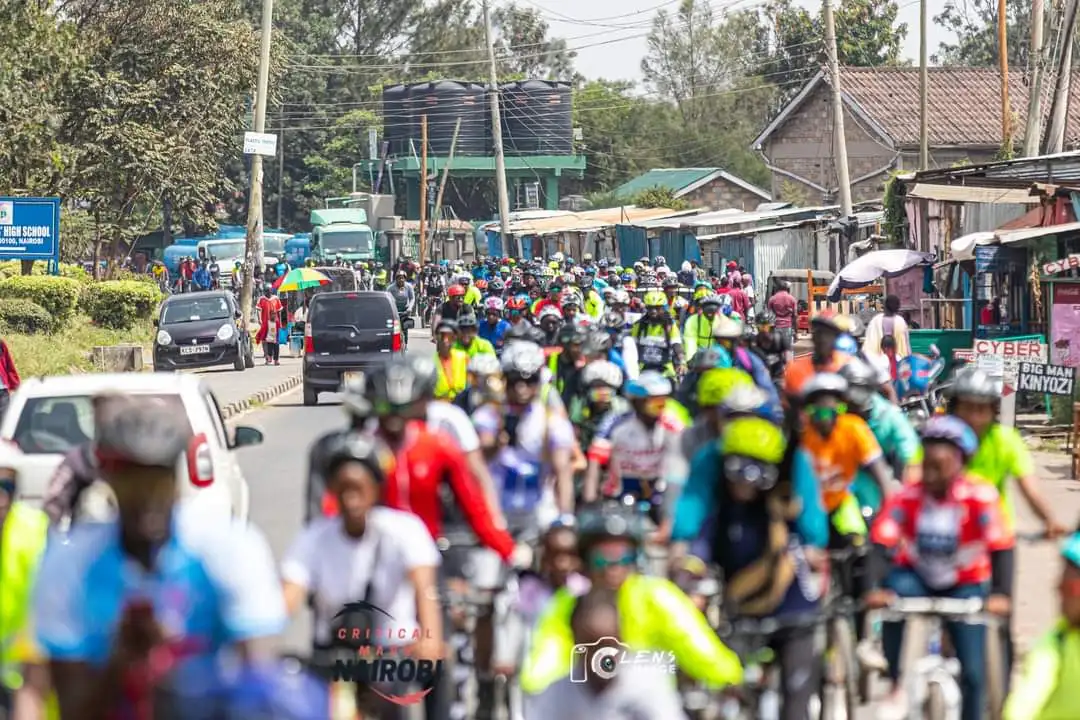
x=30, y=229
x=370, y=648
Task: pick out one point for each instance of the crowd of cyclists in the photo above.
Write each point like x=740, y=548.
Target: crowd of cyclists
x=595, y=468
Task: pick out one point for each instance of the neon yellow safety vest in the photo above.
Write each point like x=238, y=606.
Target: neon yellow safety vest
x=22, y=544
x=447, y=388
x=479, y=346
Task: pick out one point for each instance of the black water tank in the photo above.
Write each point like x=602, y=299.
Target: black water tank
x=395, y=112
x=444, y=102
x=537, y=118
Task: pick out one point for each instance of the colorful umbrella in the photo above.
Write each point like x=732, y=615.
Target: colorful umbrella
x=300, y=278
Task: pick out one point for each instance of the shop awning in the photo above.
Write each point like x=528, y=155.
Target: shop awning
x=1035, y=233
x=963, y=247
x=965, y=193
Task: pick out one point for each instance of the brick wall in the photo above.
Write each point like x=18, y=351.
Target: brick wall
x=721, y=194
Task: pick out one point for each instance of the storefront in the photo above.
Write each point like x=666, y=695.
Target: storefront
x=1001, y=297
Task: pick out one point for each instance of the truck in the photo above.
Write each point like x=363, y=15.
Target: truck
x=341, y=232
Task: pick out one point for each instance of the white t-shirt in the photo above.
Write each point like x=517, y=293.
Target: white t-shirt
x=637, y=693
x=337, y=568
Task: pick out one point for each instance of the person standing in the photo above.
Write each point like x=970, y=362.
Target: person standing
x=888, y=324
x=783, y=307
x=9, y=377
x=269, y=323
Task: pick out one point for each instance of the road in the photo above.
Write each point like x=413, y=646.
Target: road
x=276, y=472
x=230, y=386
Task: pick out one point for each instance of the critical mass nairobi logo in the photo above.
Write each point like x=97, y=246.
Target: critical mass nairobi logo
x=383, y=655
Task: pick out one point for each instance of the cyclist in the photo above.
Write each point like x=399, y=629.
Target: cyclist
x=468, y=339
x=485, y=384
x=453, y=307
x=755, y=524
x=653, y=613
x=387, y=553
x=825, y=328
x=657, y=336
x=24, y=680
x=772, y=345
x=730, y=336
x=452, y=362
x=1047, y=689
x=157, y=580
x=566, y=362
x=946, y=537
x=698, y=331
x=494, y=327
x=601, y=380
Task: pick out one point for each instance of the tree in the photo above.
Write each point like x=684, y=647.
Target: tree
x=974, y=23
x=621, y=132
x=524, y=47
x=329, y=172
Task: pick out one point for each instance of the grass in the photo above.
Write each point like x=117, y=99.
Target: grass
x=69, y=350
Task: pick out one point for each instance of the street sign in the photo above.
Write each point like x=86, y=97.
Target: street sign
x=30, y=228
x=1018, y=349
x=260, y=144
x=1047, y=379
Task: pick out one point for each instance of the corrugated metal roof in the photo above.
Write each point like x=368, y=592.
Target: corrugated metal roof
x=732, y=217
x=592, y=220
x=971, y=193
x=1013, y=236
x=672, y=179
x=1058, y=168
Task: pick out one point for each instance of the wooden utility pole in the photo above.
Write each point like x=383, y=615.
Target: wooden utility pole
x=1033, y=127
x=1003, y=64
x=254, y=241
x=423, y=189
x=496, y=137
x=445, y=175
x=842, y=176
x=280, y=173
x=924, y=91
x=1059, y=110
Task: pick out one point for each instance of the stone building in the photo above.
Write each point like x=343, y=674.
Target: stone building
x=711, y=188
x=881, y=127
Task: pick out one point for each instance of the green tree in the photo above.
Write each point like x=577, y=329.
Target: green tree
x=974, y=25
x=329, y=172
x=620, y=132
x=524, y=46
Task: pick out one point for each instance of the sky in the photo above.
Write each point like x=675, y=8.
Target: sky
x=609, y=35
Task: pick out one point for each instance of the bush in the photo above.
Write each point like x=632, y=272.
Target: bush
x=58, y=295
x=23, y=316
x=128, y=276
x=13, y=268
x=119, y=303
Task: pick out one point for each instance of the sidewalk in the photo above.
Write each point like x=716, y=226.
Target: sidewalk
x=232, y=387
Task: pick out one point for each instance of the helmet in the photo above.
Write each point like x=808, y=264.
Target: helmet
x=571, y=334
x=483, y=364
x=828, y=318
x=497, y=285
x=746, y=400
x=400, y=383
x=655, y=299
x=727, y=329
x=671, y=281
x=570, y=299
x=766, y=318
x=466, y=320
x=951, y=429
x=523, y=359
x=357, y=447
x=138, y=431
x=446, y=325
x=648, y=384
x=517, y=303
x=659, y=260
x=455, y=291
x=825, y=384
x=596, y=525
x=613, y=321
x=709, y=358
x=493, y=304
x=549, y=311
x=973, y=383
x=714, y=300
x=754, y=438
x=846, y=344
x=602, y=372
x=716, y=384
x=862, y=382
x=855, y=326
x=597, y=342
x=622, y=297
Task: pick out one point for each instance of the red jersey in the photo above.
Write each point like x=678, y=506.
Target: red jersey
x=424, y=461
x=947, y=542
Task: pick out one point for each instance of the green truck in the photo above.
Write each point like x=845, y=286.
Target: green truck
x=341, y=233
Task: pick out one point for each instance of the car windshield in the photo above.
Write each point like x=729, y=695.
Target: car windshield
x=274, y=244
x=195, y=309
x=352, y=311
x=226, y=250
x=347, y=241
x=54, y=425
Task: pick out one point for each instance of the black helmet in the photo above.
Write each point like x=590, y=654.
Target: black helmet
x=671, y=281
x=570, y=334
x=766, y=318
x=355, y=447
x=467, y=320
x=862, y=382
x=707, y=359
x=825, y=384
x=596, y=525
x=398, y=385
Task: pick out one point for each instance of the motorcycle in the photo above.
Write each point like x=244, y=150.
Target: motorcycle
x=917, y=388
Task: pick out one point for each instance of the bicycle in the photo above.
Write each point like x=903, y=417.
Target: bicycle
x=846, y=673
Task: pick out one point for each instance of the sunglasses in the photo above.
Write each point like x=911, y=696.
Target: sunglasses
x=825, y=412
x=598, y=561
x=751, y=472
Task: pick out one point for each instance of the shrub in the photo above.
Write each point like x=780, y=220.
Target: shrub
x=13, y=268
x=23, y=316
x=119, y=303
x=58, y=295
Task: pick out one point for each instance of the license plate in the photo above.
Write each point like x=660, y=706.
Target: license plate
x=352, y=378
x=194, y=349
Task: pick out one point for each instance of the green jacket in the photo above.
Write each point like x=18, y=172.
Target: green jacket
x=22, y=544
x=1047, y=689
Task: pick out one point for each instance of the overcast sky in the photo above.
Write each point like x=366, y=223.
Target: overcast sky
x=609, y=35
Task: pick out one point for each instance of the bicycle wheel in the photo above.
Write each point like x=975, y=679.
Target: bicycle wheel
x=840, y=685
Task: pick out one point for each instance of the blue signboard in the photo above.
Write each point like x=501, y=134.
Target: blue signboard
x=30, y=229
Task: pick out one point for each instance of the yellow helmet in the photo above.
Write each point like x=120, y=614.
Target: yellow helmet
x=716, y=384
x=655, y=299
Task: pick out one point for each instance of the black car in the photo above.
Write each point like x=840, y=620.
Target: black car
x=201, y=329
x=346, y=334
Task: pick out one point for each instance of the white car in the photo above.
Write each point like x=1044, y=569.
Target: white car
x=49, y=416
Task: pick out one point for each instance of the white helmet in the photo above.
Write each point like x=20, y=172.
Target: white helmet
x=524, y=359
x=604, y=372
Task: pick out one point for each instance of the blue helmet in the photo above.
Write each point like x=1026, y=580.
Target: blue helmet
x=951, y=429
x=846, y=344
x=648, y=384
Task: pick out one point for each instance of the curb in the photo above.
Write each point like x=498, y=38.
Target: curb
x=262, y=396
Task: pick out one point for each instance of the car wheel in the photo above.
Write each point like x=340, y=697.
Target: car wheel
x=249, y=356
x=238, y=363
x=311, y=397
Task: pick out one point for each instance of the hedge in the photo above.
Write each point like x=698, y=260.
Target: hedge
x=59, y=296
x=23, y=316
x=13, y=268
x=119, y=303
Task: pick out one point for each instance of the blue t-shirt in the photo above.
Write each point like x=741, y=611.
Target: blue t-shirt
x=899, y=444
x=213, y=585
x=493, y=333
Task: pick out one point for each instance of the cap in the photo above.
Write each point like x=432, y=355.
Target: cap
x=141, y=431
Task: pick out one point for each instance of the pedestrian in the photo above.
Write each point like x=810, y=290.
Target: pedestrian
x=9, y=377
x=269, y=323
x=888, y=324
x=783, y=306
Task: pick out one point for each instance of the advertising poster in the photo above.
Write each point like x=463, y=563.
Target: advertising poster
x=1065, y=326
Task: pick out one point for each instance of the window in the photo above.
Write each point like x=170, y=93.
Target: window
x=54, y=425
x=195, y=309
x=358, y=311
x=215, y=418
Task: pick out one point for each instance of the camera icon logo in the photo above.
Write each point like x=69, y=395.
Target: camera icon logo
x=601, y=658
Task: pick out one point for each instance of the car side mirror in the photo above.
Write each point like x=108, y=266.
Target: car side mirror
x=244, y=436
x=157, y=323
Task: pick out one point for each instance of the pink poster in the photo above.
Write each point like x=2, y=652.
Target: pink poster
x=1065, y=326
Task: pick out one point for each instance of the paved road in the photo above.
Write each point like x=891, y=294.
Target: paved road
x=276, y=473
x=230, y=386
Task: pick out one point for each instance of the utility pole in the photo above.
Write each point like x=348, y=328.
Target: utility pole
x=924, y=91
x=280, y=173
x=253, y=243
x=1059, y=110
x=1003, y=65
x=445, y=175
x=423, y=189
x=842, y=176
x=496, y=136
x=1033, y=127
